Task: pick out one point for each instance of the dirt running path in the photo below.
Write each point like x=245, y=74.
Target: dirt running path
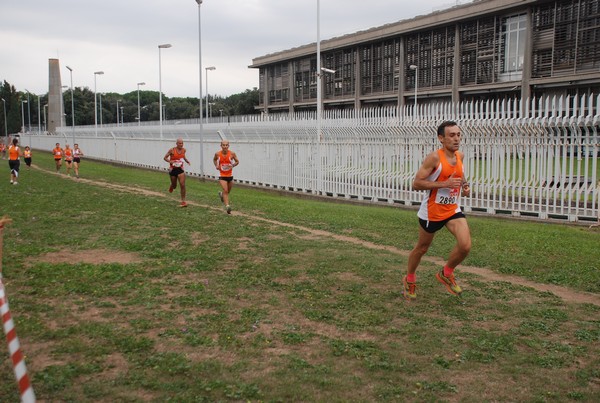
x=565, y=293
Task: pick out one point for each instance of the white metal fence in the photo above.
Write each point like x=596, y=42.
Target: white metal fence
x=536, y=158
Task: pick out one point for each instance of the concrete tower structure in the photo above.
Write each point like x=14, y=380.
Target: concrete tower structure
x=56, y=116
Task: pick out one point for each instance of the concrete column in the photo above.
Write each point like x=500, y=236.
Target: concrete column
x=266, y=92
x=291, y=86
x=56, y=116
x=456, y=78
x=401, y=76
x=527, y=61
x=357, y=79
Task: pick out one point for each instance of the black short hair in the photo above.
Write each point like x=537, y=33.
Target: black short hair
x=441, y=131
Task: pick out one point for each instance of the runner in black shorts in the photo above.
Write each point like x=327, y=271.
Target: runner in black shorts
x=435, y=226
x=175, y=157
x=27, y=156
x=225, y=160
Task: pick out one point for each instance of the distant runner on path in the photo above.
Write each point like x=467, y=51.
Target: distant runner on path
x=225, y=160
x=175, y=157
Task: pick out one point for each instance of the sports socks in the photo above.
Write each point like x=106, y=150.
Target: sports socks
x=448, y=271
x=411, y=278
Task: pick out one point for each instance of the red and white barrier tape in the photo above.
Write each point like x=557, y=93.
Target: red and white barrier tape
x=14, y=348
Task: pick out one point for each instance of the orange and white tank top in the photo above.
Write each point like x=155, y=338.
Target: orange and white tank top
x=442, y=203
x=68, y=154
x=13, y=153
x=177, y=157
x=27, y=153
x=225, y=164
x=58, y=153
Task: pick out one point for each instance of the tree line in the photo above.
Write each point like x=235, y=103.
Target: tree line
x=32, y=113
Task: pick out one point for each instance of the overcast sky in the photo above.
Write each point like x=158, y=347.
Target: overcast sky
x=121, y=38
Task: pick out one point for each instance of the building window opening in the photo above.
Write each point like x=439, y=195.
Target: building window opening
x=515, y=34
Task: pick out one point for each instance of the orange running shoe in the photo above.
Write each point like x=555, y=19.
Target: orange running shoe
x=410, y=290
x=449, y=282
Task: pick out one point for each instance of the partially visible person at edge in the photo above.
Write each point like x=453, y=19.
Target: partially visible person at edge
x=225, y=160
x=77, y=154
x=14, y=153
x=442, y=176
x=58, y=156
x=68, y=151
x=3, y=150
x=27, y=156
x=175, y=157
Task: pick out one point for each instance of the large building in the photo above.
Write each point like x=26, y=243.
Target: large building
x=487, y=49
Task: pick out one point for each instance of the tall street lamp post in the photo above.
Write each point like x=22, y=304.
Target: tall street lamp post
x=319, y=106
x=28, y=112
x=200, y=85
x=118, y=113
x=39, y=117
x=416, y=69
x=165, y=46
x=100, y=109
x=96, y=74
x=46, y=118
x=23, y=116
x=5, y=124
x=72, y=104
x=139, y=117
x=211, y=68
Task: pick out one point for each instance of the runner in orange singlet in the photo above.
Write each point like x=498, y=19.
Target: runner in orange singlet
x=27, y=156
x=225, y=160
x=442, y=176
x=77, y=154
x=14, y=152
x=68, y=158
x=58, y=156
x=175, y=157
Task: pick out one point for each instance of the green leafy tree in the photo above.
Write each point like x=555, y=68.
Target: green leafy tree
x=176, y=108
x=13, y=110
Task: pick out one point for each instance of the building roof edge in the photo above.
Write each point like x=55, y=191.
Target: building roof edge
x=436, y=18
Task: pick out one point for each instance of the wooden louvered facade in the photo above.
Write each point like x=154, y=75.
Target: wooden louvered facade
x=487, y=49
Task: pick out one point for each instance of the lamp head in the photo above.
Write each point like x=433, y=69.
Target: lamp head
x=326, y=70
x=211, y=68
x=199, y=2
x=141, y=83
x=165, y=46
x=70, y=69
x=98, y=72
x=413, y=67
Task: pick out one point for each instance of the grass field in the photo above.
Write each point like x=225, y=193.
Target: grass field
x=119, y=295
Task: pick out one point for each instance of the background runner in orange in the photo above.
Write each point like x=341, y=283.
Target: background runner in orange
x=225, y=160
x=175, y=157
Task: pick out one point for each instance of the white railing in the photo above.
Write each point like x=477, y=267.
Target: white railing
x=537, y=158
